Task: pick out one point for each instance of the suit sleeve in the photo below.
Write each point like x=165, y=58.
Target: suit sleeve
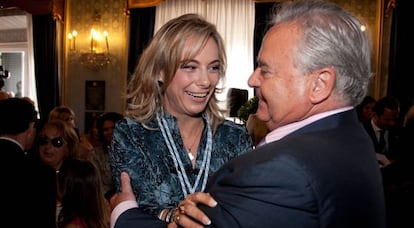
x=135, y=217
x=262, y=193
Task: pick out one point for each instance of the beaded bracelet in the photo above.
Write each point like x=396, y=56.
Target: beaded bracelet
x=170, y=215
x=163, y=213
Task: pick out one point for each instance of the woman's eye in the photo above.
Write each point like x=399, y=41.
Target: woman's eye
x=189, y=67
x=214, y=69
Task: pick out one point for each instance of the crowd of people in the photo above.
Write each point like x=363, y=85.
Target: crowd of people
x=55, y=183
x=333, y=156
x=392, y=135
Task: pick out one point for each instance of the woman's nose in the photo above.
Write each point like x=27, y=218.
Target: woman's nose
x=203, y=79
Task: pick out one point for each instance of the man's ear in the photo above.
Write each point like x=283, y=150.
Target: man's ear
x=322, y=85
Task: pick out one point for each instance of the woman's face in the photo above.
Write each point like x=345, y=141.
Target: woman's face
x=368, y=111
x=194, y=82
x=52, y=147
x=108, y=129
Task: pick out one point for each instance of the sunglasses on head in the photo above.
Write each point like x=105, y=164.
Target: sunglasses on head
x=56, y=142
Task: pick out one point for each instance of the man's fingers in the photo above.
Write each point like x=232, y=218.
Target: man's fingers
x=210, y=200
x=188, y=207
x=125, y=182
x=196, y=214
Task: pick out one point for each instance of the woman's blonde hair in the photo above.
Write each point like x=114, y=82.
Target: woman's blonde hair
x=164, y=56
x=57, y=111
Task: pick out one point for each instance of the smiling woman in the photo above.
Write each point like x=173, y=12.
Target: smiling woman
x=174, y=127
x=235, y=22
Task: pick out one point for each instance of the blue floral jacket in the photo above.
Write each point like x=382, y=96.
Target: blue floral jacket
x=143, y=153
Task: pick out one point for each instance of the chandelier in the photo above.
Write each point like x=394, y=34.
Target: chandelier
x=97, y=56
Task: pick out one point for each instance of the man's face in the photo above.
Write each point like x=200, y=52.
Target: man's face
x=387, y=120
x=282, y=90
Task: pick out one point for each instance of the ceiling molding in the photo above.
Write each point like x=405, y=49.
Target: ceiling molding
x=36, y=7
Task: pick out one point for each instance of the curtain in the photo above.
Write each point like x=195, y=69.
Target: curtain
x=263, y=16
x=46, y=63
x=174, y=8
x=400, y=79
x=141, y=29
x=235, y=22
x=30, y=80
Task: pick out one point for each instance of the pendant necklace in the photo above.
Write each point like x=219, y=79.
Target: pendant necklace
x=189, y=150
x=179, y=167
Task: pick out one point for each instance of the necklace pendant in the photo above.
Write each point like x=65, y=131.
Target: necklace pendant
x=191, y=156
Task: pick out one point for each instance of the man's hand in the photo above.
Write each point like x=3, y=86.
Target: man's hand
x=189, y=215
x=383, y=161
x=126, y=192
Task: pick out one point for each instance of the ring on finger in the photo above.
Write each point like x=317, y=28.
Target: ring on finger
x=176, y=218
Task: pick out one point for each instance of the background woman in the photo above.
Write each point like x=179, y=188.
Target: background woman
x=83, y=204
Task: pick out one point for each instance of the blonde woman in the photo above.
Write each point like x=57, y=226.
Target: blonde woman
x=174, y=134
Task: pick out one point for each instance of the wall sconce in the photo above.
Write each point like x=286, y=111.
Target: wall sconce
x=98, y=56
x=72, y=40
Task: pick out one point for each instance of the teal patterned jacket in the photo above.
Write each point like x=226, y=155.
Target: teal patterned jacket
x=144, y=155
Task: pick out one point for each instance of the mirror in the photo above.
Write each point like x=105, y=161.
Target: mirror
x=12, y=63
x=16, y=53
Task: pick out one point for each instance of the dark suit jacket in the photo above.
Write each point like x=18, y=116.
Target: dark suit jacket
x=28, y=191
x=394, y=142
x=322, y=175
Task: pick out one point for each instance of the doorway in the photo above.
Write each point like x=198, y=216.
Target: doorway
x=16, y=53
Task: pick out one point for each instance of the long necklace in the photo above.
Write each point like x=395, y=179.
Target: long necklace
x=182, y=174
x=189, y=149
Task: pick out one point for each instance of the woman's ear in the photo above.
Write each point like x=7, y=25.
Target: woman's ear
x=323, y=84
x=161, y=78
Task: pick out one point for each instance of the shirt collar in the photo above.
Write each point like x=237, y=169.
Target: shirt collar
x=12, y=140
x=375, y=127
x=282, y=131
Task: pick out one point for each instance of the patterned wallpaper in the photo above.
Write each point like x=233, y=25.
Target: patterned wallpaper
x=82, y=15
